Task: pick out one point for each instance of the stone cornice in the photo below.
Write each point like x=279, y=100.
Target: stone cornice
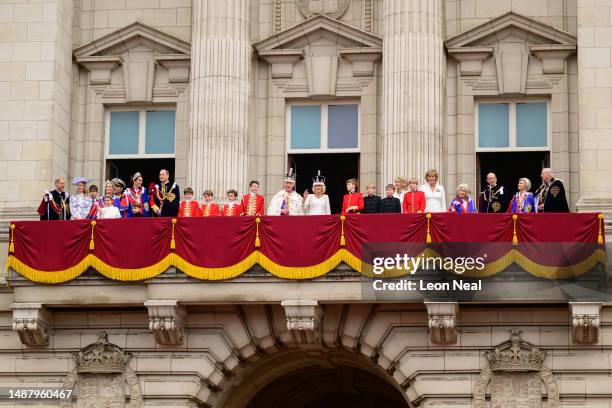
x=178, y=66
x=511, y=19
x=282, y=61
x=100, y=67
x=553, y=56
x=136, y=29
x=320, y=22
x=362, y=58
x=470, y=58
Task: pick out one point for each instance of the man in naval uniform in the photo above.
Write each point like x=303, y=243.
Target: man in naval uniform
x=55, y=204
x=494, y=198
x=550, y=196
x=286, y=201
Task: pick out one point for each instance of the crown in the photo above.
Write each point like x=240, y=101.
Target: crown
x=290, y=176
x=318, y=179
x=516, y=355
x=101, y=357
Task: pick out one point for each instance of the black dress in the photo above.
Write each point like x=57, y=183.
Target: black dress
x=371, y=204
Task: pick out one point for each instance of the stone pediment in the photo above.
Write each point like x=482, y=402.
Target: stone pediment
x=510, y=26
x=130, y=37
x=315, y=28
x=139, y=50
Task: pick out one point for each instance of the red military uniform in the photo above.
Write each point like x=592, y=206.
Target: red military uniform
x=232, y=210
x=414, y=202
x=253, y=204
x=210, y=209
x=189, y=209
x=351, y=199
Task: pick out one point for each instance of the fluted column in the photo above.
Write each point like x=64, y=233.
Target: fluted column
x=220, y=70
x=413, y=75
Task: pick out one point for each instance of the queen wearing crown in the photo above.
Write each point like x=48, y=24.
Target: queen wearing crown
x=287, y=201
x=317, y=203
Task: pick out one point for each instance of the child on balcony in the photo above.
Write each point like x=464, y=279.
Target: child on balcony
x=209, y=208
x=233, y=208
x=109, y=210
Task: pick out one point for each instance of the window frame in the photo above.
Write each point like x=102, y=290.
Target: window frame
x=324, y=126
x=142, y=133
x=512, y=135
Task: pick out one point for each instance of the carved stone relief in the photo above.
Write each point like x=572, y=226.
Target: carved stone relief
x=329, y=8
x=102, y=378
x=515, y=376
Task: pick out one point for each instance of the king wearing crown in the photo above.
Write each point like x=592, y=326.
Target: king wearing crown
x=287, y=201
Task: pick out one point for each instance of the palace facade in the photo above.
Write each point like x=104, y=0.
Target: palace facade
x=224, y=91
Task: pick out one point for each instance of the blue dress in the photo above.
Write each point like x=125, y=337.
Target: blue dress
x=462, y=206
x=526, y=206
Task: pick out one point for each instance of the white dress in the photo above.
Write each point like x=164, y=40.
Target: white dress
x=435, y=201
x=293, y=199
x=109, y=212
x=317, y=205
x=400, y=195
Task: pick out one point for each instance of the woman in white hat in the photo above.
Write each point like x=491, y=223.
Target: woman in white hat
x=80, y=203
x=317, y=203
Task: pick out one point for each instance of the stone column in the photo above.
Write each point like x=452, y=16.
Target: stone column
x=413, y=80
x=595, y=105
x=220, y=69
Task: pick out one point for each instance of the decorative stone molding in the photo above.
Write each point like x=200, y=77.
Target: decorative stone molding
x=442, y=321
x=166, y=321
x=363, y=59
x=515, y=375
x=333, y=9
x=303, y=316
x=100, y=67
x=553, y=56
x=585, y=321
x=177, y=65
x=282, y=61
x=102, y=376
x=470, y=59
x=31, y=321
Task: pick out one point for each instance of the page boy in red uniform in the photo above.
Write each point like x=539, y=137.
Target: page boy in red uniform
x=352, y=203
x=189, y=207
x=253, y=203
x=233, y=208
x=209, y=208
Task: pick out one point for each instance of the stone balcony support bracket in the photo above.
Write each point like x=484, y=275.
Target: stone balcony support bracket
x=31, y=321
x=362, y=58
x=442, y=321
x=100, y=67
x=303, y=316
x=586, y=317
x=553, y=56
x=166, y=321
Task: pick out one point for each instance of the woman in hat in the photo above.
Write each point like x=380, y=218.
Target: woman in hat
x=317, y=203
x=80, y=203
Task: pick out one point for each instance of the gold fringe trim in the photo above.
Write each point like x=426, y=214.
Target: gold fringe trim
x=291, y=272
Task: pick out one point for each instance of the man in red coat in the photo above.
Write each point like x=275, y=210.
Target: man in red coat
x=253, y=203
x=189, y=207
x=414, y=200
x=233, y=208
x=352, y=203
x=209, y=208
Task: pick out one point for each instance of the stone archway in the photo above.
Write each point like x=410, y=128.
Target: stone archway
x=306, y=379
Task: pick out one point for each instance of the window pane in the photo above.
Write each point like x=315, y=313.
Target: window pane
x=160, y=132
x=306, y=127
x=531, y=124
x=493, y=125
x=342, y=126
x=123, y=133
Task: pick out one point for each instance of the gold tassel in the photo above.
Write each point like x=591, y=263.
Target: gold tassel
x=172, y=242
x=12, y=244
x=257, y=241
x=342, y=240
x=91, y=241
x=600, y=240
x=428, y=238
x=514, y=237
